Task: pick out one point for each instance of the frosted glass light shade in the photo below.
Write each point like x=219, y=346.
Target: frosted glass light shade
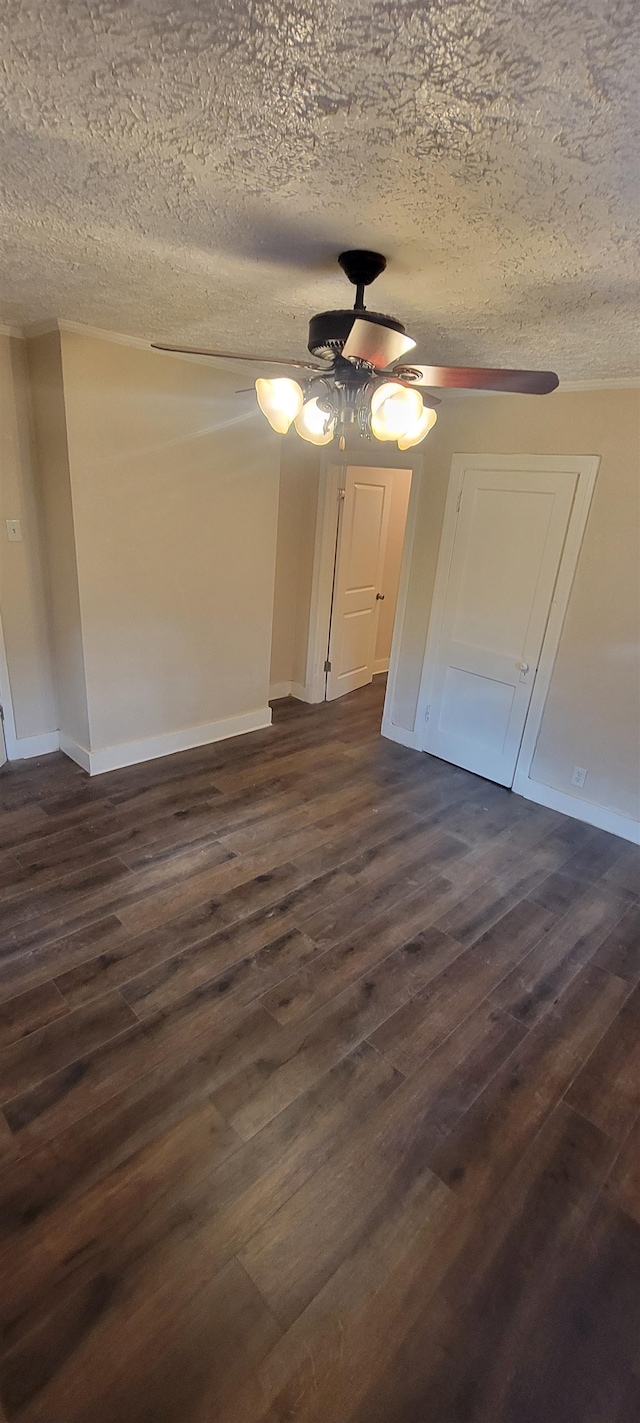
x=310, y=423
x=419, y=431
x=394, y=410
x=280, y=400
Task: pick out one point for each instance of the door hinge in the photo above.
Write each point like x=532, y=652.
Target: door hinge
x=1, y=712
x=341, y=493
x=427, y=712
x=459, y=502
x=327, y=666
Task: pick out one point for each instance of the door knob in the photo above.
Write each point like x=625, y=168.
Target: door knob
x=523, y=666
x=379, y=597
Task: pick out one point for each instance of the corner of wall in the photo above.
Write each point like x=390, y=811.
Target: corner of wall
x=46, y=372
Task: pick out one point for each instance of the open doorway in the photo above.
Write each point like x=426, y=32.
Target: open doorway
x=343, y=529
x=372, y=516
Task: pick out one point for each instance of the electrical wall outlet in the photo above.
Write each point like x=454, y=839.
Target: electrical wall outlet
x=579, y=776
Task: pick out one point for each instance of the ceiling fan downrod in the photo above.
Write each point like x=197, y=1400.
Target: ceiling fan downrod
x=361, y=268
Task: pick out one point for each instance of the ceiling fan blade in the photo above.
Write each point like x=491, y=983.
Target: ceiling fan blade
x=380, y=345
x=233, y=356
x=480, y=378
x=429, y=400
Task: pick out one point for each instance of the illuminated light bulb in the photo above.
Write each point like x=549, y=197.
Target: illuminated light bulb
x=311, y=422
x=417, y=432
x=395, y=409
x=280, y=400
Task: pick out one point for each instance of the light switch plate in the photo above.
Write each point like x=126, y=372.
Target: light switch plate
x=14, y=532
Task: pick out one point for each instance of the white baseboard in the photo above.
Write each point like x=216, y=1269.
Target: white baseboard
x=129, y=753
x=77, y=753
x=598, y=815
x=399, y=734
x=305, y=694
x=380, y=665
x=279, y=689
x=585, y=810
x=23, y=747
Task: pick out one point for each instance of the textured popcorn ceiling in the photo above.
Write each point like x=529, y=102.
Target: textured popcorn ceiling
x=187, y=171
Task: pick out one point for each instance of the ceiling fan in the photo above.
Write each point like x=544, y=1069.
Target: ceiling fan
x=364, y=384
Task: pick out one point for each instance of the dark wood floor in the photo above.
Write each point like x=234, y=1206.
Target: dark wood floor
x=320, y=1064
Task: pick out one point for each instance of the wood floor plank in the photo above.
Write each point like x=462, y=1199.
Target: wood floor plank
x=503, y=1121
x=623, y=1184
x=150, y=1105
x=498, y=1287
x=249, y=916
x=623, y=876
x=299, y=1248
x=155, y=908
x=29, y=1011
x=29, y=1060
x=323, y=978
x=620, y=952
x=64, y=1097
x=300, y=1055
x=378, y=893
x=100, y=889
x=536, y=983
x=14, y=825
x=607, y=1089
x=188, y=1190
x=241, y=978
x=600, y=856
x=580, y=1364
x=322, y=1090
x=68, y=888
x=12, y=874
x=203, y=1332
x=323, y=1364
x=21, y=971
x=413, y=1031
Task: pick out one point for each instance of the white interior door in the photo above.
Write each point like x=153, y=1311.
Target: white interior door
x=358, y=582
x=502, y=554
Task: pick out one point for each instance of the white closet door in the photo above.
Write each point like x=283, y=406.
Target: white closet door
x=504, y=559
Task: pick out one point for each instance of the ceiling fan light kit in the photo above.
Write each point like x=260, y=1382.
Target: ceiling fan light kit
x=280, y=400
x=363, y=387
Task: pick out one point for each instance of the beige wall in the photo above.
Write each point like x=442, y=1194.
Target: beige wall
x=297, y=508
x=174, y=483
x=45, y=366
x=298, y=497
x=592, y=716
x=23, y=600
x=392, y=562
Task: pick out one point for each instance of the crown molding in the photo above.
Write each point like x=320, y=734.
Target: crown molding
x=119, y=338
x=99, y=333
x=40, y=328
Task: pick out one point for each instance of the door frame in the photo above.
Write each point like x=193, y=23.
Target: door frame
x=585, y=467
x=328, y=528
x=9, y=725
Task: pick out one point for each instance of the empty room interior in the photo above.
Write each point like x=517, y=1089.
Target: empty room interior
x=320, y=692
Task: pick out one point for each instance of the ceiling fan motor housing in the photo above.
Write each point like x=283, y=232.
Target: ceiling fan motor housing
x=329, y=330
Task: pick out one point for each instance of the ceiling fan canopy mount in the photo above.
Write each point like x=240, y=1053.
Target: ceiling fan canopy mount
x=362, y=384
x=362, y=267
